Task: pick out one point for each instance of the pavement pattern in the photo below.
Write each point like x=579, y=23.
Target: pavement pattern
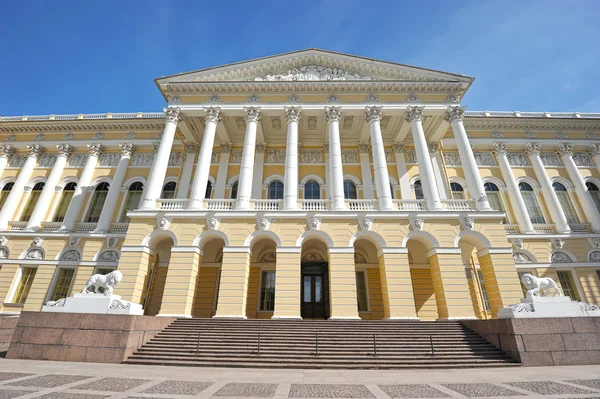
x=67, y=380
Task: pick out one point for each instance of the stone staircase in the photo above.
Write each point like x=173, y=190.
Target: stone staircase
x=341, y=344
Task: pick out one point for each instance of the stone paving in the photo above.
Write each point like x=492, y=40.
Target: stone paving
x=64, y=380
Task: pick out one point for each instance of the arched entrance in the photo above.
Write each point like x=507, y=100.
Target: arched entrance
x=154, y=285
x=207, y=283
x=260, y=303
x=420, y=272
x=314, y=282
x=368, y=281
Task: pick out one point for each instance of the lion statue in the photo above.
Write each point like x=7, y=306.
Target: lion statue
x=107, y=282
x=539, y=286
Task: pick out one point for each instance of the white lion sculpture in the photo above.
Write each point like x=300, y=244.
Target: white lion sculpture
x=539, y=286
x=108, y=282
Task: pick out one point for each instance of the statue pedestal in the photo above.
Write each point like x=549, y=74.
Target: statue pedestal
x=93, y=303
x=548, y=306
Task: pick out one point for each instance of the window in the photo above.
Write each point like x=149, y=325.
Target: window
x=234, y=190
x=568, y=285
x=565, y=202
x=98, y=199
x=275, y=190
x=418, y=190
x=361, y=292
x=350, y=190
x=531, y=204
x=458, y=192
x=493, y=194
x=484, y=294
x=4, y=193
x=134, y=195
x=392, y=191
x=33, y=198
x=595, y=193
x=27, y=276
x=65, y=200
x=63, y=283
x=208, y=190
x=169, y=190
x=267, y=291
x=312, y=190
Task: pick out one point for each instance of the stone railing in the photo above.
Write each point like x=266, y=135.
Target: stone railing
x=171, y=204
x=411, y=205
x=85, y=227
x=313, y=204
x=73, y=117
x=458, y=205
x=267, y=205
x=544, y=228
x=119, y=227
x=580, y=227
x=362, y=205
x=511, y=228
x=51, y=226
x=219, y=204
x=16, y=225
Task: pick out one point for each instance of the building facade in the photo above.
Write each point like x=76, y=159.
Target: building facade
x=306, y=185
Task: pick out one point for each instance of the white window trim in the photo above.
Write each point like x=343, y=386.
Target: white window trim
x=55, y=281
x=91, y=196
x=576, y=281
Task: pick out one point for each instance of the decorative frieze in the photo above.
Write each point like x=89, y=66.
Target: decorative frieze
x=582, y=159
x=78, y=160
x=313, y=72
x=214, y=156
x=236, y=155
x=592, y=136
x=17, y=161
x=68, y=137
x=311, y=156
x=40, y=137
x=98, y=136
x=275, y=155
x=529, y=135
x=110, y=159
x=349, y=156
x=143, y=159
x=484, y=158
x=129, y=136
x=452, y=159
x=389, y=155
x=12, y=137
x=46, y=161
x=550, y=159
x=561, y=135
x=175, y=159
x=411, y=156
x=517, y=159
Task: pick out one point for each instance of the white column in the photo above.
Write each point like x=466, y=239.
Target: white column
x=158, y=171
x=438, y=169
x=110, y=204
x=380, y=169
x=290, y=185
x=45, y=198
x=259, y=165
x=211, y=116
x=516, y=200
x=414, y=115
x=403, y=181
x=327, y=174
x=222, y=173
x=594, y=151
x=556, y=212
x=85, y=179
x=336, y=172
x=365, y=170
x=14, y=198
x=6, y=151
x=454, y=116
x=565, y=150
x=247, y=167
x=183, y=187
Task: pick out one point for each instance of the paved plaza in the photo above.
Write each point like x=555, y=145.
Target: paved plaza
x=65, y=380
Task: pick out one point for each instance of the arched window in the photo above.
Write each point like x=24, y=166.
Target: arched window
x=168, y=190
x=65, y=200
x=595, y=193
x=98, y=199
x=392, y=191
x=234, y=190
x=275, y=190
x=531, y=204
x=312, y=190
x=132, y=201
x=565, y=202
x=458, y=192
x=33, y=198
x=208, y=190
x=418, y=190
x=350, y=190
x=493, y=195
x=4, y=193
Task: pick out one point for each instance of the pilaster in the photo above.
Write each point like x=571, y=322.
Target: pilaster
x=342, y=284
x=233, y=287
x=180, y=286
x=396, y=284
x=287, y=284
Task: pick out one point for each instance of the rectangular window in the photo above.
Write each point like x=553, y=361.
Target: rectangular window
x=61, y=211
x=267, y=291
x=27, y=276
x=133, y=201
x=535, y=214
x=63, y=283
x=361, y=292
x=568, y=285
x=484, y=294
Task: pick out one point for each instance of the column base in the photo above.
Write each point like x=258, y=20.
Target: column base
x=286, y=318
x=179, y=316
x=344, y=318
x=230, y=317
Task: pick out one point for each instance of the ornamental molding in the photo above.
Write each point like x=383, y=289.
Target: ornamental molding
x=373, y=114
x=263, y=223
x=594, y=150
x=365, y=223
x=313, y=72
x=372, y=98
x=314, y=223
x=99, y=123
x=7, y=151
x=95, y=149
x=398, y=147
x=292, y=114
x=64, y=149
x=499, y=149
x=35, y=150
x=126, y=149
x=532, y=149
x=514, y=124
x=363, y=148
x=252, y=114
x=172, y=114
x=293, y=99
x=414, y=113
x=333, y=114
x=433, y=148
x=564, y=149
x=211, y=114
x=454, y=113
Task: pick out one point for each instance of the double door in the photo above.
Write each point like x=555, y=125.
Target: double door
x=314, y=293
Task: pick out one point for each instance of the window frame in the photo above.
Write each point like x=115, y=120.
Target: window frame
x=15, y=289
x=366, y=290
x=569, y=199
x=540, y=209
x=414, y=189
x=312, y=182
x=3, y=190
x=30, y=198
x=55, y=279
x=576, y=284
x=90, y=202
x=354, y=188
x=261, y=301
x=174, y=191
x=59, y=203
x=123, y=211
x=274, y=183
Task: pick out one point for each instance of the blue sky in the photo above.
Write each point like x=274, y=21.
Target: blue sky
x=85, y=57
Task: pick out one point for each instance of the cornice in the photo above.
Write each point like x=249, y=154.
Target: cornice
x=532, y=124
x=84, y=122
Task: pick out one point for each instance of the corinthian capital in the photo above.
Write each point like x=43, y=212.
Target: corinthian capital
x=127, y=149
x=226, y=148
x=6, y=151
x=333, y=114
x=292, y=114
x=35, y=150
x=172, y=114
x=533, y=149
x=564, y=149
x=192, y=148
x=414, y=113
x=211, y=114
x=95, y=149
x=363, y=147
x=594, y=150
x=398, y=147
x=499, y=148
x=252, y=114
x=261, y=147
x=64, y=149
x=454, y=113
x=433, y=147
x=373, y=114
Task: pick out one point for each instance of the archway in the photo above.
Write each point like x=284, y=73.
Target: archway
x=156, y=275
x=421, y=277
x=206, y=295
x=368, y=280
x=260, y=302
x=314, y=289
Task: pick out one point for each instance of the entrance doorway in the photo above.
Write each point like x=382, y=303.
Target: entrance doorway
x=314, y=291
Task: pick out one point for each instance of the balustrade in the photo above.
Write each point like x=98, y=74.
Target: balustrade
x=361, y=205
x=267, y=205
x=172, y=204
x=17, y=226
x=85, y=227
x=511, y=228
x=544, y=228
x=580, y=227
x=119, y=227
x=313, y=204
x=458, y=205
x=411, y=205
x=51, y=226
x=219, y=204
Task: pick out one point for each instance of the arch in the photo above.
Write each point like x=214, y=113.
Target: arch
x=353, y=178
x=523, y=257
x=315, y=234
x=371, y=236
x=308, y=178
x=273, y=178
x=593, y=255
x=208, y=235
x=6, y=180
x=70, y=254
x=591, y=179
x=474, y=238
x=233, y=179
x=152, y=239
x=67, y=180
x=561, y=256
x=37, y=180
x=459, y=180
x=135, y=179
x=565, y=182
x=170, y=179
x=423, y=237
x=108, y=255
x=34, y=253
x=260, y=234
x=101, y=179
x=529, y=180
x=413, y=180
x=495, y=180
x=393, y=181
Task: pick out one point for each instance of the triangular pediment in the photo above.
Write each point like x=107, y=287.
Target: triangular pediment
x=314, y=65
